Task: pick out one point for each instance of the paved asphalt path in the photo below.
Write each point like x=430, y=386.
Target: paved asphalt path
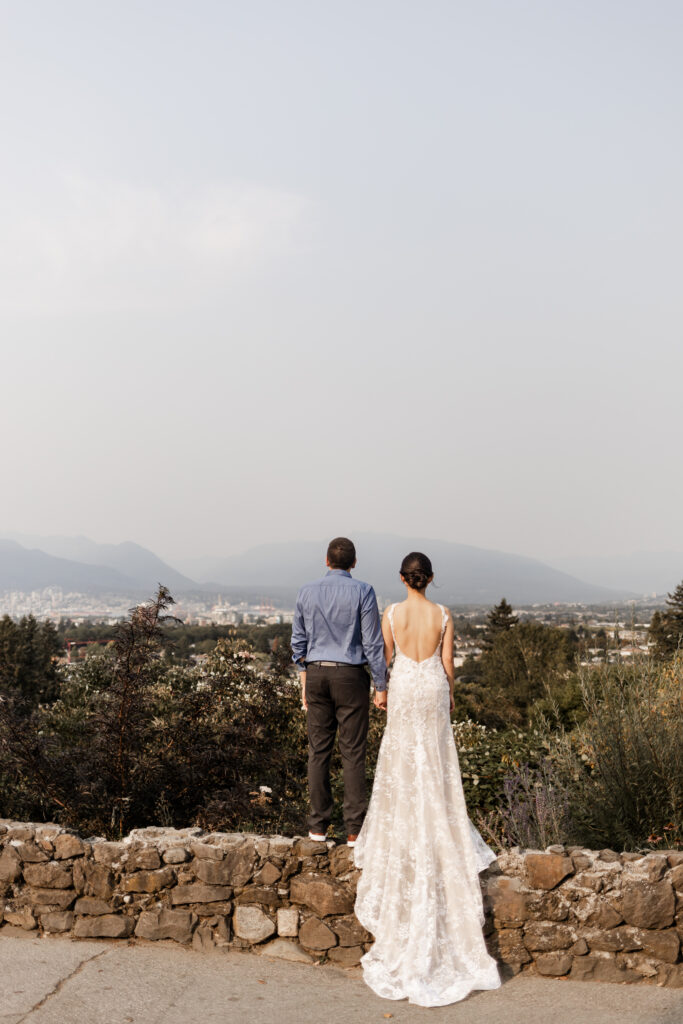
x=58, y=981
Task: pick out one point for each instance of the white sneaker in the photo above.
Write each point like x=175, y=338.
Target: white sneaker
x=317, y=837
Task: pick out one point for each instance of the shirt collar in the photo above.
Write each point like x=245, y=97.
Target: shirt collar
x=338, y=572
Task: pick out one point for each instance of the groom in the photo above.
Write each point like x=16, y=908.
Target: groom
x=336, y=633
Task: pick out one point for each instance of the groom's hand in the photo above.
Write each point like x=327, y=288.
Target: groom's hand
x=380, y=700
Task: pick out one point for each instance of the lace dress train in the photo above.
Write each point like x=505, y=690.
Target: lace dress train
x=420, y=854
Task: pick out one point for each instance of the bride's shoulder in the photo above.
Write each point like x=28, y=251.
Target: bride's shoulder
x=440, y=611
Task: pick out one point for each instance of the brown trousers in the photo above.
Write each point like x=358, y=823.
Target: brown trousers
x=338, y=698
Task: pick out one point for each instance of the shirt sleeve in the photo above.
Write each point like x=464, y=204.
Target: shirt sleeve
x=372, y=639
x=299, y=638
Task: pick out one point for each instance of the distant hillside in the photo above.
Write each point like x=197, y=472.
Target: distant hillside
x=142, y=569
x=24, y=569
x=646, y=572
x=464, y=574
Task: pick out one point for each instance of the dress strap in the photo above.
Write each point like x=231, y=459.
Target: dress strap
x=390, y=616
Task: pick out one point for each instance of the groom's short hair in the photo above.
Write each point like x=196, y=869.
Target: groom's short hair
x=341, y=554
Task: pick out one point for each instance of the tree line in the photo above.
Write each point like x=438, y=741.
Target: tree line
x=129, y=736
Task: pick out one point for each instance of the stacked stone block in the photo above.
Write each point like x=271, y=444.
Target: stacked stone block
x=599, y=916
x=566, y=912
x=289, y=898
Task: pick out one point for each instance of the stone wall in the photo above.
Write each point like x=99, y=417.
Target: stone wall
x=571, y=912
x=565, y=912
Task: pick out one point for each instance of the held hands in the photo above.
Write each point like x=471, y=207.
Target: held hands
x=380, y=699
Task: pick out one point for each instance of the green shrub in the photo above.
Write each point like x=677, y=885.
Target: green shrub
x=524, y=666
x=488, y=756
x=135, y=739
x=624, y=764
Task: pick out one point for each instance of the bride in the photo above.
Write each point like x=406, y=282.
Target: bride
x=421, y=856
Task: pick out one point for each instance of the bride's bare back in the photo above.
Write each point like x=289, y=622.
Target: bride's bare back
x=417, y=626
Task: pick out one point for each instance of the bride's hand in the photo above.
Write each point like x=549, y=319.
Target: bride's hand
x=452, y=708
x=380, y=700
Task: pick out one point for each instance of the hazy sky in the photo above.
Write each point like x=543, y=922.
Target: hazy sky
x=273, y=270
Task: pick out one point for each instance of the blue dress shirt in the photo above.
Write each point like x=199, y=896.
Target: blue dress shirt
x=337, y=619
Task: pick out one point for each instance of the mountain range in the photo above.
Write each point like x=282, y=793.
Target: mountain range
x=29, y=562
x=464, y=574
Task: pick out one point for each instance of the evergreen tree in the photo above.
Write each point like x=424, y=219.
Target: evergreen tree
x=675, y=613
x=666, y=628
x=499, y=620
x=601, y=642
x=27, y=652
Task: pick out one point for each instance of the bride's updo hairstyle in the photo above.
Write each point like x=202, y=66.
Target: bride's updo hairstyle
x=416, y=570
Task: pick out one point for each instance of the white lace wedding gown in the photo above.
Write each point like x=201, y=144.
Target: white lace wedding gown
x=421, y=855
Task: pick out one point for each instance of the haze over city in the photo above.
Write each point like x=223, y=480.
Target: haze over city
x=278, y=272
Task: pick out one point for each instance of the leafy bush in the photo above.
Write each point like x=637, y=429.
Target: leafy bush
x=524, y=666
x=134, y=739
x=624, y=764
x=615, y=780
x=513, y=793
x=488, y=756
